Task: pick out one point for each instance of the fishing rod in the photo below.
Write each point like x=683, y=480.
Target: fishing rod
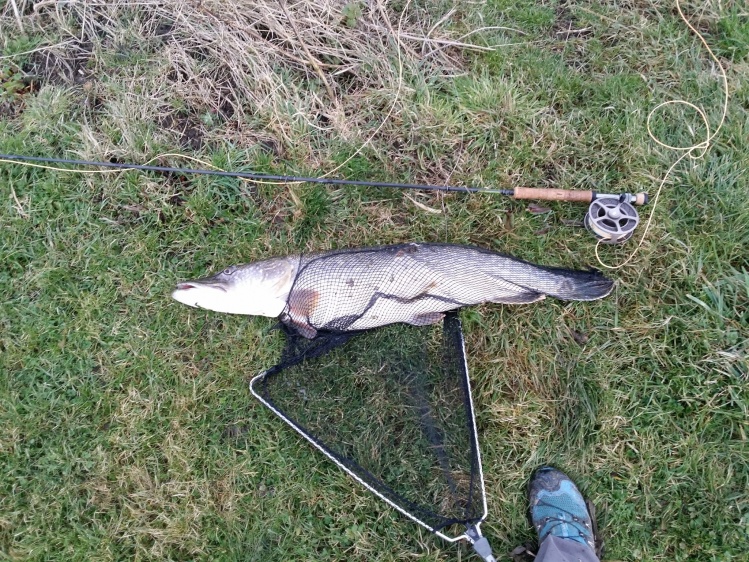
x=611, y=218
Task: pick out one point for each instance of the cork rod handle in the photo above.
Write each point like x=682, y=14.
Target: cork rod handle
x=553, y=194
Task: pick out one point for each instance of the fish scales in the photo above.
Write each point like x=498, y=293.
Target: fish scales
x=363, y=288
x=416, y=283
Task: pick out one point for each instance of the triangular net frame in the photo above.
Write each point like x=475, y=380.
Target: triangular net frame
x=392, y=407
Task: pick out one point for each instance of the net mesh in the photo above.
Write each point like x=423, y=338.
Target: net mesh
x=358, y=289
x=391, y=406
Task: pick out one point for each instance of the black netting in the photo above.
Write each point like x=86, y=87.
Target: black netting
x=393, y=407
x=364, y=288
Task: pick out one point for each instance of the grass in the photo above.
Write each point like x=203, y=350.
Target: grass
x=126, y=427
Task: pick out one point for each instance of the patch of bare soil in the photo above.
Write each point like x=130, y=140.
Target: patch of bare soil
x=566, y=25
x=188, y=129
x=67, y=66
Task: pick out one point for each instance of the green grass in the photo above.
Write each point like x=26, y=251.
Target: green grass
x=127, y=430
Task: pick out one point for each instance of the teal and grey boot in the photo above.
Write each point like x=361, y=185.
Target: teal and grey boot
x=558, y=508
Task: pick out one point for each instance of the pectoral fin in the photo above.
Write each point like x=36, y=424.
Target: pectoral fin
x=302, y=328
x=301, y=305
x=302, y=302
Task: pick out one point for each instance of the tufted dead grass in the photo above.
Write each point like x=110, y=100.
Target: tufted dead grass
x=285, y=74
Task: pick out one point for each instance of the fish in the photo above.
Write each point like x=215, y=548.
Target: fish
x=361, y=288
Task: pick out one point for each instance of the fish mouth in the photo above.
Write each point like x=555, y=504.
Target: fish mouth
x=188, y=285
x=199, y=293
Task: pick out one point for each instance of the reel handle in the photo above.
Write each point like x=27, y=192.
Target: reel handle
x=574, y=195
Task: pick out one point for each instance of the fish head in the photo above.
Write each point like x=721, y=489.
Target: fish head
x=258, y=289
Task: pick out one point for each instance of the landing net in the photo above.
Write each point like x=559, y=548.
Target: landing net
x=392, y=407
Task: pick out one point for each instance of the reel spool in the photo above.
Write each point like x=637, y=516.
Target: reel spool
x=611, y=220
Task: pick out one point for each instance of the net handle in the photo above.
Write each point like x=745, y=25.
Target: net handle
x=480, y=543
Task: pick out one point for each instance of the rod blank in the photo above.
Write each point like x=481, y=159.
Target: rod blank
x=517, y=193
x=249, y=175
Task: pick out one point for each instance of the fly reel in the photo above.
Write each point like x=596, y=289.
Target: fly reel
x=611, y=219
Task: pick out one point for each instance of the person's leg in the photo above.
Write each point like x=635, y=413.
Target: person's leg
x=554, y=549
x=561, y=519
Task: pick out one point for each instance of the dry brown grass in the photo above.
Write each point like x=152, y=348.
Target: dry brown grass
x=284, y=74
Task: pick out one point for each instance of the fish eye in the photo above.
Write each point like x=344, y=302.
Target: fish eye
x=229, y=270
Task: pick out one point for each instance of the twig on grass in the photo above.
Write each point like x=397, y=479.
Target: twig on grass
x=18, y=205
x=312, y=60
x=17, y=14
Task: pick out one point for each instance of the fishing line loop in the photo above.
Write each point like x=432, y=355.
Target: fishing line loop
x=694, y=152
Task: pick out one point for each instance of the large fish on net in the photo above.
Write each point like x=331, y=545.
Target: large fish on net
x=357, y=289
